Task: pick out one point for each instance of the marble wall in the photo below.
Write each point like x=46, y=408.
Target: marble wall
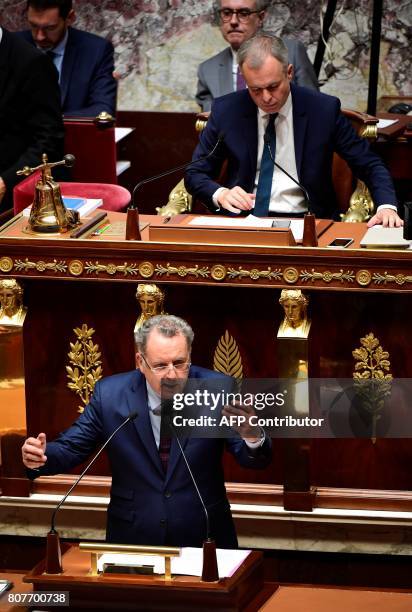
x=159, y=44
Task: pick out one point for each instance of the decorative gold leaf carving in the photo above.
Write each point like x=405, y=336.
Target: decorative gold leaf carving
x=384, y=278
x=254, y=273
x=111, y=268
x=182, y=271
x=327, y=276
x=85, y=365
x=372, y=377
x=227, y=359
x=40, y=266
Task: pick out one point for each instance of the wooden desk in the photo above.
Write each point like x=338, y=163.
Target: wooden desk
x=134, y=592
x=18, y=587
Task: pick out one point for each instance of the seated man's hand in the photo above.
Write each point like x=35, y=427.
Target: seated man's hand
x=243, y=426
x=236, y=199
x=33, y=451
x=387, y=217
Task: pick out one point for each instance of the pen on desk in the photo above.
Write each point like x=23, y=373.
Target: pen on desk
x=167, y=219
x=102, y=229
x=88, y=225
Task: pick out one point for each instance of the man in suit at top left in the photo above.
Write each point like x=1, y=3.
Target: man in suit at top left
x=30, y=115
x=84, y=61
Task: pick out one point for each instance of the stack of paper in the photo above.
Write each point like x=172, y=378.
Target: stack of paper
x=84, y=206
x=378, y=237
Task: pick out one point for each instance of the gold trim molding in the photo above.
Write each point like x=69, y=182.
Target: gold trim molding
x=218, y=272
x=112, y=268
x=40, y=266
x=182, y=271
x=326, y=276
x=6, y=264
x=254, y=273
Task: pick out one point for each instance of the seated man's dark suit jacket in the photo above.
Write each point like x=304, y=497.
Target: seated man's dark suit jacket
x=320, y=129
x=87, y=83
x=145, y=506
x=30, y=116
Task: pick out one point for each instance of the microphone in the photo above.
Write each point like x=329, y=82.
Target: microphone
x=210, y=571
x=266, y=139
x=53, y=555
x=220, y=139
x=310, y=237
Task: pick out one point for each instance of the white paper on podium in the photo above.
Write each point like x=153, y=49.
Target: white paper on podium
x=188, y=564
x=379, y=237
x=296, y=225
x=384, y=123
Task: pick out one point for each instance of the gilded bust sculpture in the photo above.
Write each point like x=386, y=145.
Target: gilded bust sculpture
x=151, y=299
x=295, y=323
x=12, y=311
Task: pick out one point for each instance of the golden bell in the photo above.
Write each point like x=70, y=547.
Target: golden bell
x=48, y=213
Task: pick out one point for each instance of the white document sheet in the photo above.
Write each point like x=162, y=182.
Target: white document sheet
x=384, y=123
x=188, y=564
x=379, y=237
x=296, y=225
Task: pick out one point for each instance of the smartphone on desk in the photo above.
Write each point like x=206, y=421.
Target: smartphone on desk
x=340, y=243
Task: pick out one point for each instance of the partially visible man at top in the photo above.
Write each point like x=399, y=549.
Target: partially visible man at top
x=84, y=61
x=30, y=115
x=240, y=20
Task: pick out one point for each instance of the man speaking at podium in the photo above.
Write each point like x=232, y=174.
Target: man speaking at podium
x=153, y=499
x=300, y=129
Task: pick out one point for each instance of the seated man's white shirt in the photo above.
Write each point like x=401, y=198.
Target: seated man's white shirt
x=286, y=196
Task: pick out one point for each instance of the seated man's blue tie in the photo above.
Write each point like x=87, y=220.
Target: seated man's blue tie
x=264, y=188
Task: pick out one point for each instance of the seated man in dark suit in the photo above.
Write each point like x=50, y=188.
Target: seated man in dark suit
x=30, y=116
x=240, y=20
x=301, y=129
x=84, y=61
x=153, y=499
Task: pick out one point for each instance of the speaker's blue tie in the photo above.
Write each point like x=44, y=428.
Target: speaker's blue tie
x=264, y=188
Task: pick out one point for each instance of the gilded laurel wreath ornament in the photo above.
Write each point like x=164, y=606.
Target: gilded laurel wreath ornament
x=227, y=359
x=85, y=364
x=373, y=380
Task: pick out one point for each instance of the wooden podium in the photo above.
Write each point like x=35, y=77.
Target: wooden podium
x=134, y=592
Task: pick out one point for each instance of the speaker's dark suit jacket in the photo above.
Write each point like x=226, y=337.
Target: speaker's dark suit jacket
x=320, y=129
x=146, y=506
x=30, y=115
x=87, y=83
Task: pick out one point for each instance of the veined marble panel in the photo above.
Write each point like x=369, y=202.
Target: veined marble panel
x=266, y=527
x=159, y=44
